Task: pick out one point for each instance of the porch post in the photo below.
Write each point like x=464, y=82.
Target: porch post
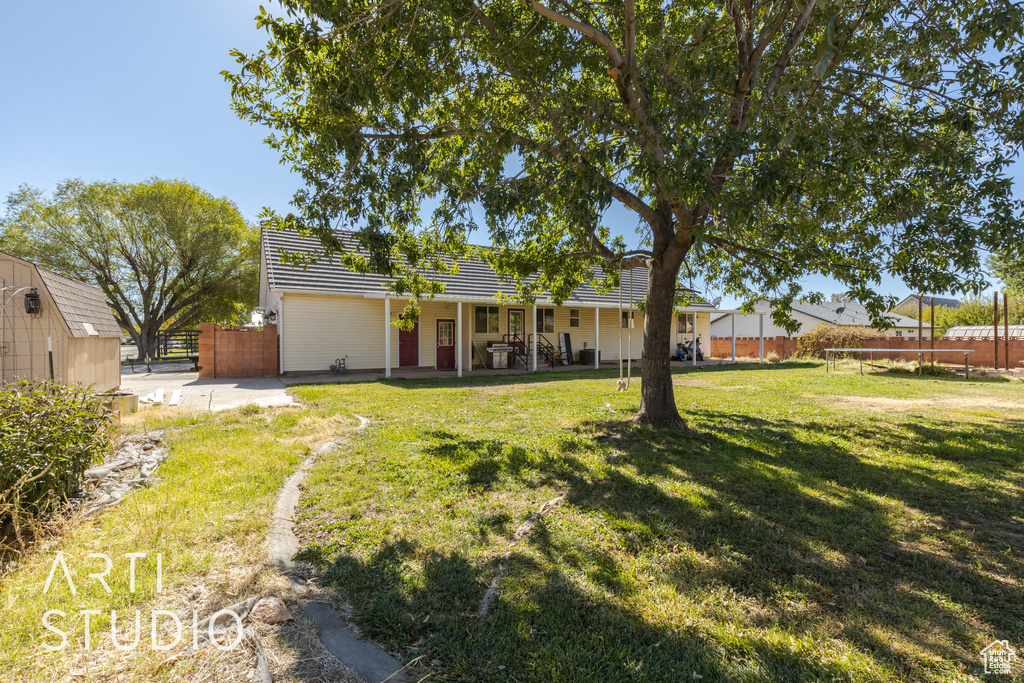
x=597, y=338
x=387, y=338
x=760, y=336
x=693, y=344
x=536, y=339
x=733, y=319
x=458, y=338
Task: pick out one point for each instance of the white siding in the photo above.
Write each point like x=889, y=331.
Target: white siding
x=703, y=333
x=317, y=329
x=747, y=326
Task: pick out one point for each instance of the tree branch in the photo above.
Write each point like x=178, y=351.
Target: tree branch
x=580, y=27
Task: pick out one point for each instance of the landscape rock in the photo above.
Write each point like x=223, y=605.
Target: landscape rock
x=271, y=610
x=131, y=466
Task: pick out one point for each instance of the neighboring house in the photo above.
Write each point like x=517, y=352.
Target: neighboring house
x=927, y=301
x=811, y=316
x=327, y=312
x=53, y=327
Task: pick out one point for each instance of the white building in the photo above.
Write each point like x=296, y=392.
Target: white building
x=810, y=316
x=326, y=312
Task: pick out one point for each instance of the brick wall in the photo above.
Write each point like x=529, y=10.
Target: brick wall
x=982, y=356
x=228, y=352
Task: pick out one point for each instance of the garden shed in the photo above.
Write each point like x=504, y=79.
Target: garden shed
x=54, y=327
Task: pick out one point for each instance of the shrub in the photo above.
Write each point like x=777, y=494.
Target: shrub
x=814, y=343
x=49, y=435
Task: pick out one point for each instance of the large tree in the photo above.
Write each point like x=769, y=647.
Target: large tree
x=166, y=254
x=755, y=142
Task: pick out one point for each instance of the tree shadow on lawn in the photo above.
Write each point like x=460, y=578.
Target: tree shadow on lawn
x=808, y=519
x=543, y=628
x=806, y=536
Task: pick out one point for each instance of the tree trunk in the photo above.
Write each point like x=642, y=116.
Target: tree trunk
x=657, y=399
x=146, y=343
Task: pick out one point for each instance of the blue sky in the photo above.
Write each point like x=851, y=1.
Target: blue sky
x=129, y=90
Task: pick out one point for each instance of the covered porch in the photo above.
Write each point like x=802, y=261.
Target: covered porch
x=464, y=335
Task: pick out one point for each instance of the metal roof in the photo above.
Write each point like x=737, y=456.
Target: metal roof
x=983, y=332
x=82, y=306
x=474, y=281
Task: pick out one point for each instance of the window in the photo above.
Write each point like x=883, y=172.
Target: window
x=629, y=319
x=545, y=320
x=686, y=323
x=445, y=333
x=574, y=317
x=899, y=333
x=486, y=320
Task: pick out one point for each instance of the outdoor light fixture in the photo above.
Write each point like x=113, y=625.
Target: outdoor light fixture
x=33, y=303
x=270, y=316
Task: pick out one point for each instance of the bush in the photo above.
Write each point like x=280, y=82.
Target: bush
x=50, y=435
x=814, y=343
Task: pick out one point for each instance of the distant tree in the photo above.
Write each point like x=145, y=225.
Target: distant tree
x=1009, y=267
x=166, y=254
x=755, y=143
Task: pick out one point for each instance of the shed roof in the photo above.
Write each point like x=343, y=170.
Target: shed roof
x=474, y=281
x=82, y=306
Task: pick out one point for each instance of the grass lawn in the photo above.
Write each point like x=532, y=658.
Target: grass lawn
x=812, y=527
x=207, y=513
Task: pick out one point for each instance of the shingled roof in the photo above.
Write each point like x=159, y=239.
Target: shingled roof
x=475, y=280
x=939, y=301
x=82, y=306
x=853, y=314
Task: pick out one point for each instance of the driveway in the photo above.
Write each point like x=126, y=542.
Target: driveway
x=207, y=394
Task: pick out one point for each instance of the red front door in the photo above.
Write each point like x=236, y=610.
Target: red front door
x=409, y=346
x=445, y=344
x=517, y=328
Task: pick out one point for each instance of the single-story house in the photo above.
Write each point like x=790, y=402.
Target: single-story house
x=325, y=313
x=810, y=316
x=53, y=327
x=948, y=302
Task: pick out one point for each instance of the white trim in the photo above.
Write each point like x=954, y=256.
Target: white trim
x=693, y=344
x=280, y=333
x=733, y=318
x=760, y=336
x=597, y=338
x=387, y=338
x=546, y=303
x=535, y=339
x=458, y=338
